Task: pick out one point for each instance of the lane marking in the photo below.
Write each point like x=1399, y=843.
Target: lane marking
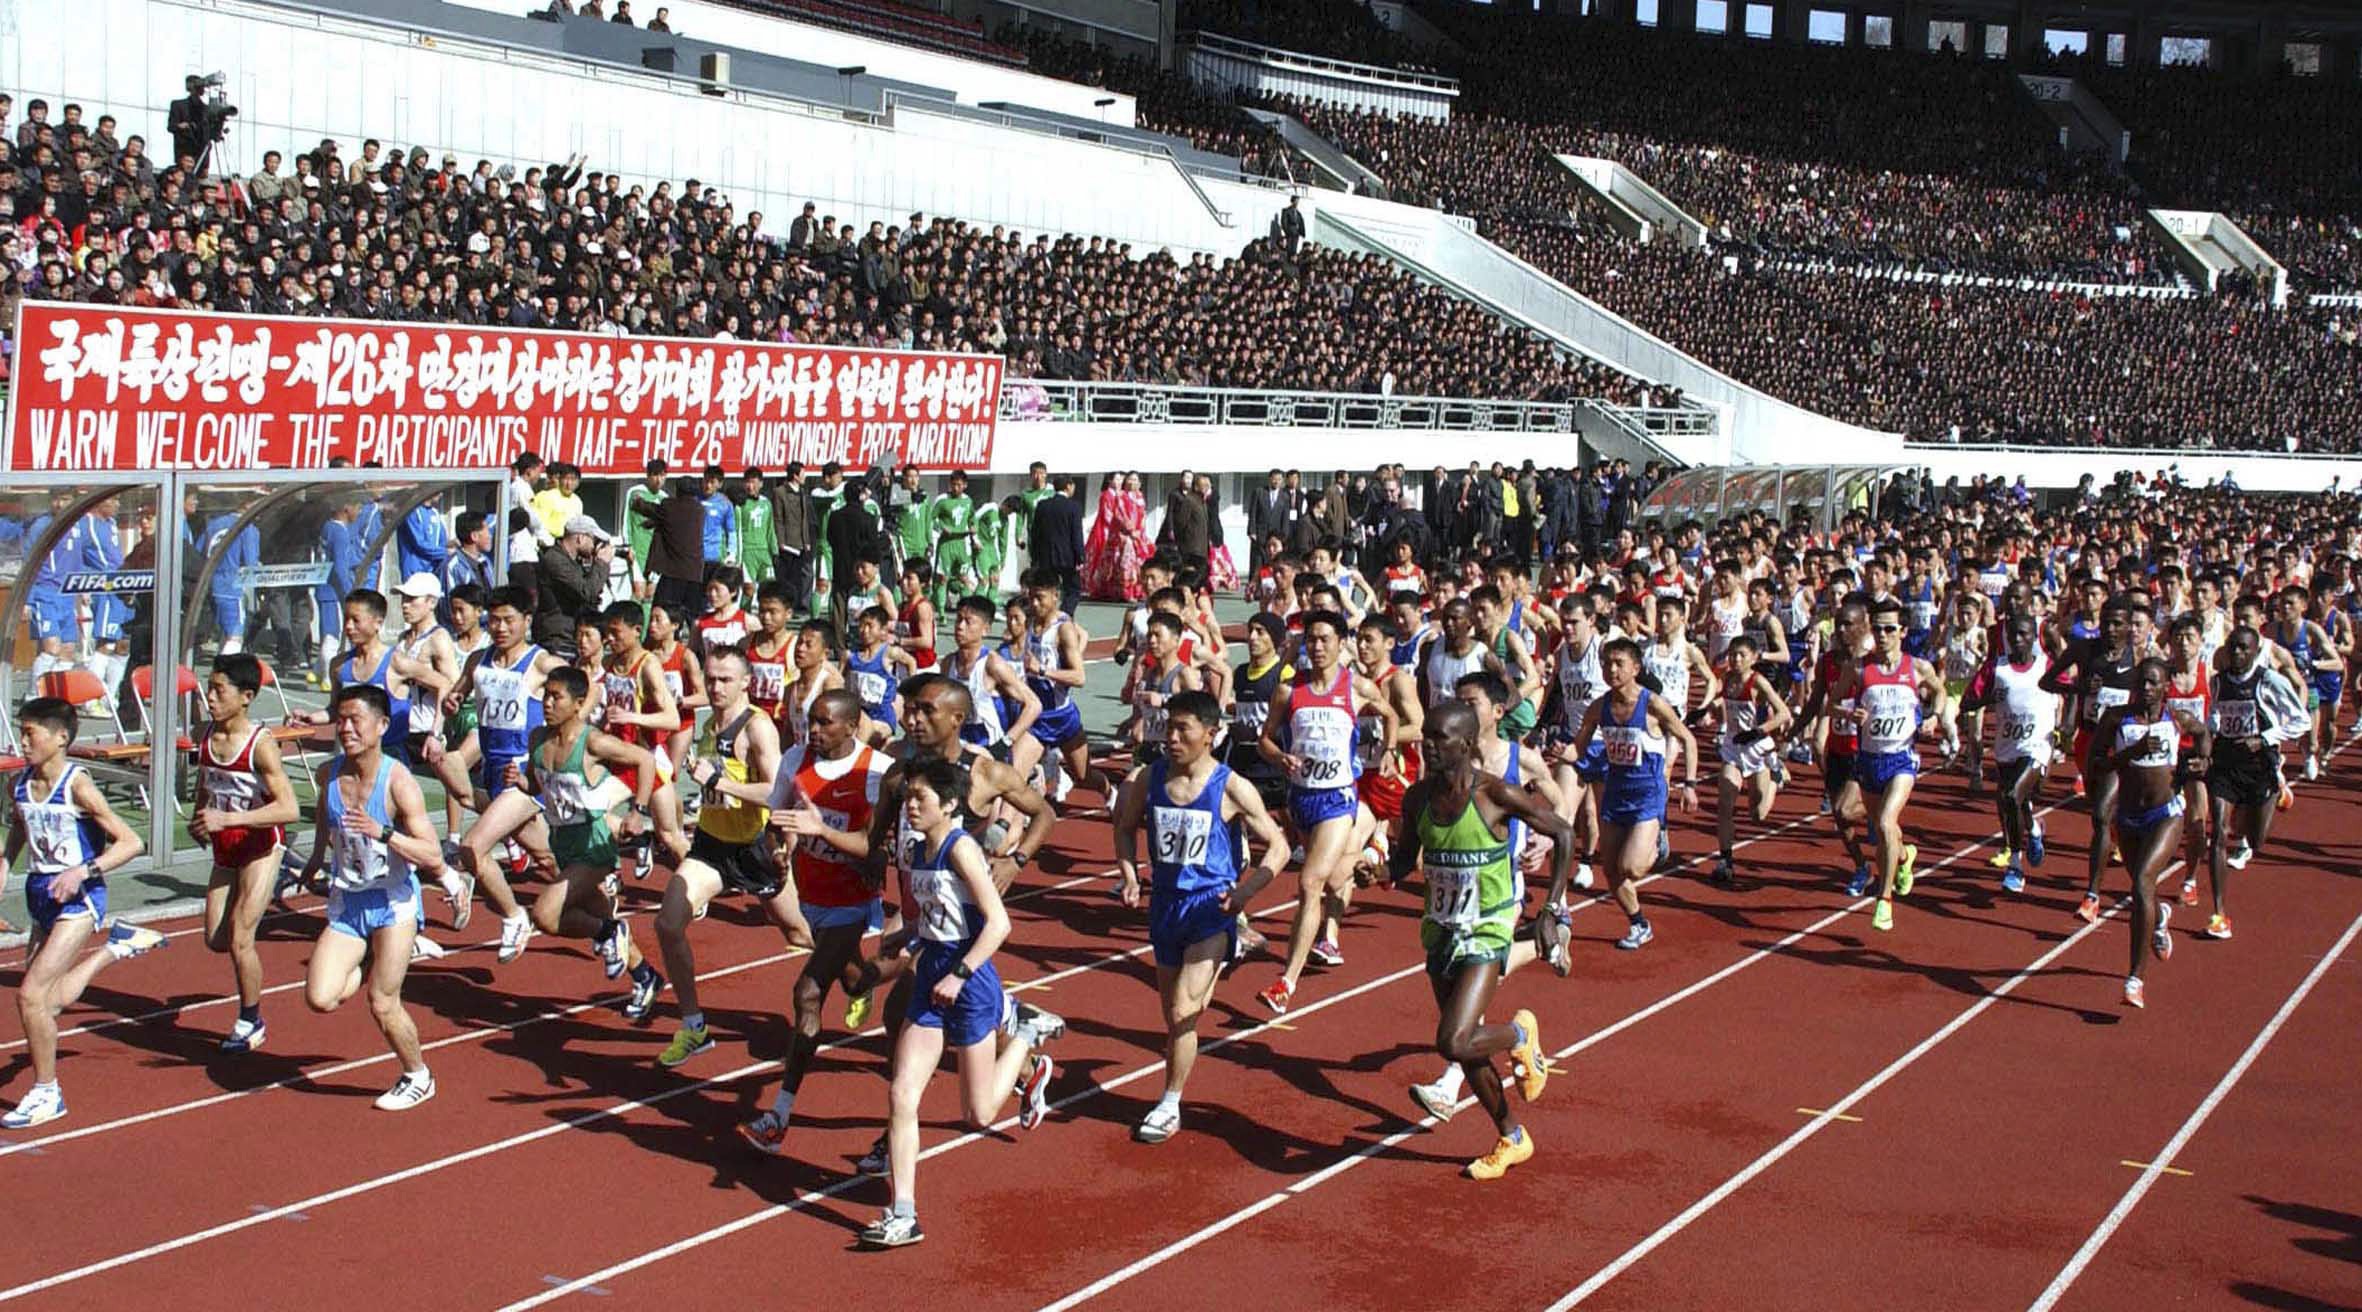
x=2145, y=1166
x=1689, y=1215
x=1823, y=1111
x=2163, y=1162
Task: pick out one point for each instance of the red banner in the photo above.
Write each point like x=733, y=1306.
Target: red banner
x=103, y=388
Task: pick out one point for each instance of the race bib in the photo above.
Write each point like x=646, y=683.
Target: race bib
x=870, y=688
x=2235, y=719
x=816, y=847
x=2109, y=697
x=1451, y=896
x=1180, y=834
x=766, y=682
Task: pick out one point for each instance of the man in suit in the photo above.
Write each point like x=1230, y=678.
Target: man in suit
x=1185, y=522
x=1267, y=512
x=1055, y=539
x=1591, y=508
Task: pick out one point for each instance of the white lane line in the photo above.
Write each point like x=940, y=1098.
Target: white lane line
x=2162, y=1162
x=1372, y=1149
x=1689, y=1215
x=464, y=1036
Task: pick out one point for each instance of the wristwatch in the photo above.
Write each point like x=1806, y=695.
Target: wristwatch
x=1020, y=859
x=960, y=969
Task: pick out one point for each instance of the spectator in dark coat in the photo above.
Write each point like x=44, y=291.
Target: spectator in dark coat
x=1055, y=539
x=1185, y=523
x=573, y=572
x=676, y=549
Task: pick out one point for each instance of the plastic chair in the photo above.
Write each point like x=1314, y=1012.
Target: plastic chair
x=143, y=692
x=80, y=689
x=301, y=738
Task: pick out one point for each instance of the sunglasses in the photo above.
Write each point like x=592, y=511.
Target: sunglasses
x=1886, y=628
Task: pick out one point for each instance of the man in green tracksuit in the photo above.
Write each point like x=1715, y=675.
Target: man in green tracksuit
x=829, y=495
x=638, y=529
x=1037, y=490
x=908, y=508
x=758, y=545
x=953, y=517
x=989, y=529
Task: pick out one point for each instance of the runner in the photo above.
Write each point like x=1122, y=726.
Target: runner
x=736, y=757
x=1310, y=734
x=2323, y=667
x=988, y=679
x=1388, y=766
x=1459, y=826
x=824, y=803
x=1199, y=815
x=247, y=803
x=2189, y=689
x=769, y=654
x=426, y=661
x=724, y=622
x=1634, y=725
x=876, y=669
x=2142, y=740
x=2011, y=681
x=815, y=674
x=68, y=838
x=684, y=677
x=505, y=681
x=372, y=835
x=1160, y=675
x=1753, y=717
x=914, y=622
x=1053, y=666
x=2101, y=667
x=2243, y=774
x=579, y=776
x=1893, y=692
x=1576, y=683
x=957, y=922
x=640, y=709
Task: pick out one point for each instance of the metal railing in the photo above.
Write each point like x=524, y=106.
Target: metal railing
x=1024, y=399
x=1281, y=57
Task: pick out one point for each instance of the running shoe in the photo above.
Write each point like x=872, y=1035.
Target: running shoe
x=2078, y=785
x=2239, y=855
x=892, y=1231
x=686, y=1043
x=2312, y=767
x=1008, y=1022
x=2089, y=908
x=1882, y=917
x=423, y=948
x=41, y=1104
x=244, y=1036
x=1561, y=958
x=1527, y=1061
x=646, y=984
x=127, y=941
x=612, y=949
x=1904, y=874
x=874, y=1163
x=1824, y=805
x=408, y=1092
x=1326, y=953
x=2219, y=927
x=1583, y=877
x=2287, y=797
x=514, y=931
x=857, y=1011
x=1860, y=883
x=459, y=889
x=2190, y=891
x=1033, y=1093
x=1637, y=937
x=1724, y=875
x=2134, y=994
x=2002, y=860
x=1250, y=939
x=2159, y=938
x=2035, y=850
x=1039, y=1028
x=1505, y=1154
x=1277, y=995
x=764, y=1134
x=1160, y=1124
x=2013, y=880
x=1436, y=1100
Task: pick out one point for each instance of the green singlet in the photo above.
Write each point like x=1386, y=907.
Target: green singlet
x=1472, y=891
x=576, y=806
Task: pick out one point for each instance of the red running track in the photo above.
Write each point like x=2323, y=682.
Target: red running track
x=1989, y=1084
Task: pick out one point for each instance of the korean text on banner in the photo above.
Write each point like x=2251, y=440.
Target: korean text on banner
x=103, y=388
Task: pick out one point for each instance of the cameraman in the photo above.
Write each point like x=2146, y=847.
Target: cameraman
x=186, y=121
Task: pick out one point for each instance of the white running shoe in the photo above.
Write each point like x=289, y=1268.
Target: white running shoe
x=127, y=941
x=408, y=1092
x=459, y=889
x=244, y=1036
x=2161, y=940
x=1160, y=1124
x=2312, y=767
x=1435, y=1099
x=2239, y=855
x=43, y=1104
x=513, y=933
x=1583, y=874
x=423, y=948
x=611, y=949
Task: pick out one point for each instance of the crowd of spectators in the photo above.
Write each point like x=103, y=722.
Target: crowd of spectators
x=1952, y=361
x=1339, y=29
x=1164, y=102
x=2282, y=155
x=392, y=234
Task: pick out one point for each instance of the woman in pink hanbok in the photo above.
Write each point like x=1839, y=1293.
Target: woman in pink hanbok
x=1112, y=554
x=1221, y=570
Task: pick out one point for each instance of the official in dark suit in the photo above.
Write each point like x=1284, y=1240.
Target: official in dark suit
x=1055, y=540
x=1267, y=513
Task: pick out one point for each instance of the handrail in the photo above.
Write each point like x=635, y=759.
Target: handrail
x=1231, y=45
x=1060, y=401
x=2169, y=455
x=894, y=103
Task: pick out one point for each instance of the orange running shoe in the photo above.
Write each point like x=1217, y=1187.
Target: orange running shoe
x=1505, y=1154
x=2090, y=910
x=1527, y=1059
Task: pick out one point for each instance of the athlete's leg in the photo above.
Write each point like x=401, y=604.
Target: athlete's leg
x=2145, y=854
x=1463, y=1038
x=918, y=1049
x=334, y=972
x=1728, y=782
x=786, y=913
x=1076, y=753
x=1767, y=794
x=55, y=976
x=2101, y=788
x=833, y=950
x=1186, y=990
x=1888, y=827
x=1325, y=851
x=389, y=965
x=576, y=906
x=512, y=814
x=234, y=904
x=685, y=897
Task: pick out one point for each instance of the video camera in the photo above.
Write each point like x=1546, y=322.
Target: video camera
x=214, y=110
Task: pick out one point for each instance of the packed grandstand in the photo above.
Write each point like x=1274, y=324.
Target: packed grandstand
x=1917, y=254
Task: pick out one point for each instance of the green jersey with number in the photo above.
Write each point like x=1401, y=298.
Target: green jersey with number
x=1472, y=883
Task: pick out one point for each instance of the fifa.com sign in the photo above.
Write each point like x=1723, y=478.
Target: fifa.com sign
x=104, y=388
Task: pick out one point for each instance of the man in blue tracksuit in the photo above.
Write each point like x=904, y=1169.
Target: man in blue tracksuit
x=721, y=520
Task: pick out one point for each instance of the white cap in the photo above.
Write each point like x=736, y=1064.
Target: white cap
x=584, y=524
x=420, y=584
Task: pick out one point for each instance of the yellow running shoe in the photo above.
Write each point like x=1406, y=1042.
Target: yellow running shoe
x=857, y=1011
x=1903, y=872
x=1883, y=917
x=2000, y=860
x=686, y=1043
x=1527, y=1059
x=1505, y=1154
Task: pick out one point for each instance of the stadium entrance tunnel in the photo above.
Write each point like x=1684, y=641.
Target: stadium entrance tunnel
x=1824, y=494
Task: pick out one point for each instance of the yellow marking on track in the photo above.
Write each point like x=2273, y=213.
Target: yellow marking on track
x=1823, y=1111
x=2143, y=1166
